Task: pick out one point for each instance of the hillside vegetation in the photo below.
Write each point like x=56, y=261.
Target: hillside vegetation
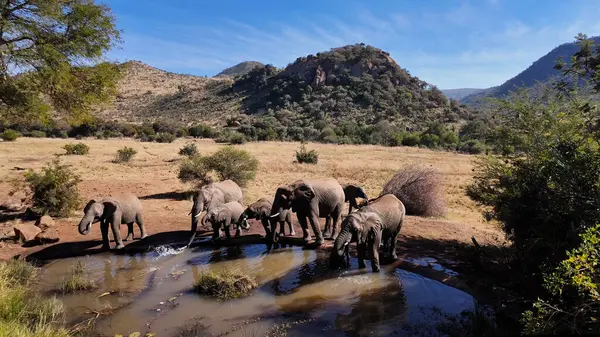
x=240, y=69
x=541, y=70
x=459, y=94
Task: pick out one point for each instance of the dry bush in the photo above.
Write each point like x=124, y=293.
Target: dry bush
x=224, y=285
x=419, y=190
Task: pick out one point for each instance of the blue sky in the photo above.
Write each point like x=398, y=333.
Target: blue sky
x=448, y=43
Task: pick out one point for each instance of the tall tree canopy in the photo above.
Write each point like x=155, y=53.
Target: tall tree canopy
x=47, y=49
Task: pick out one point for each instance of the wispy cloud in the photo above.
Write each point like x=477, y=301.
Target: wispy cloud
x=465, y=45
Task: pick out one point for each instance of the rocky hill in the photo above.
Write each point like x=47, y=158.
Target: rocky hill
x=461, y=93
x=355, y=84
x=240, y=69
x=541, y=70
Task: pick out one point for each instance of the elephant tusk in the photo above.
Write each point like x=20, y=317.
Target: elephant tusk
x=346, y=243
x=190, y=213
x=274, y=215
x=197, y=215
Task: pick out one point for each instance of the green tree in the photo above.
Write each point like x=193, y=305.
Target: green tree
x=50, y=44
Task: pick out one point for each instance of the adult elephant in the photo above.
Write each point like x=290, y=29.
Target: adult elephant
x=213, y=195
x=260, y=210
x=312, y=199
x=113, y=211
x=379, y=222
x=351, y=192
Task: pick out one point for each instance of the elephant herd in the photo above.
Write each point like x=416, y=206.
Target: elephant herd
x=372, y=224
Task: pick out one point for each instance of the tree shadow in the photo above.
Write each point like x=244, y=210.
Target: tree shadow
x=176, y=195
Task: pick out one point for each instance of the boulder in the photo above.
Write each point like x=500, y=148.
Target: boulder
x=48, y=235
x=26, y=231
x=12, y=205
x=44, y=222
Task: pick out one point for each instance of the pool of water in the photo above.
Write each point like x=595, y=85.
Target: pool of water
x=297, y=295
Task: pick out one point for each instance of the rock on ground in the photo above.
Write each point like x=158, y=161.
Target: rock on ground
x=48, y=235
x=45, y=222
x=26, y=231
x=12, y=205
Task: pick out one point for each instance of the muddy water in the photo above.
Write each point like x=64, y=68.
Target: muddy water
x=298, y=294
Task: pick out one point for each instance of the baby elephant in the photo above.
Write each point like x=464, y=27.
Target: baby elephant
x=222, y=217
x=261, y=210
x=113, y=211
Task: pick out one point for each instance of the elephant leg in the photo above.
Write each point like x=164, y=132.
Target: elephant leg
x=265, y=224
x=139, y=219
x=394, y=240
x=115, y=223
x=327, y=232
x=291, y=225
x=360, y=254
x=336, y=218
x=129, y=231
x=375, y=253
x=227, y=233
x=282, y=228
x=104, y=231
x=314, y=223
x=304, y=225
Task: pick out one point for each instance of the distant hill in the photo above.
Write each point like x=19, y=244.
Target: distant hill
x=346, y=87
x=459, y=94
x=540, y=71
x=240, y=69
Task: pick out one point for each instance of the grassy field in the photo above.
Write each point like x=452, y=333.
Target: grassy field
x=153, y=174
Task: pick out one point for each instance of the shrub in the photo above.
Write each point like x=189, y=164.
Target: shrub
x=37, y=134
x=9, y=135
x=195, y=169
x=181, y=132
x=164, y=137
x=430, y=140
x=189, y=150
x=77, y=280
x=419, y=190
x=237, y=138
x=125, y=154
x=574, y=305
x=235, y=164
x=224, y=285
x=227, y=163
x=79, y=149
x=305, y=156
x=411, y=139
x=472, y=146
x=54, y=190
x=202, y=131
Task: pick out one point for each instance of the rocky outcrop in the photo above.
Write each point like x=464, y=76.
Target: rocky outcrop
x=320, y=77
x=48, y=235
x=45, y=222
x=26, y=231
x=12, y=205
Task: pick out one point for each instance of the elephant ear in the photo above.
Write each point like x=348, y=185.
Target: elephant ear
x=305, y=191
x=110, y=206
x=373, y=225
x=88, y=205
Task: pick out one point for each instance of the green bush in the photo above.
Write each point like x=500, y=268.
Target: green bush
x=189, y=150
x=305, y=156
x=227, y=163
x=37, y=134
x=9, y=135
x=181, y=132
x=572, y=306
x=195, y=169
x=76, y=149
x=164, y=137
x=472, y=146
x=125, y=154
x=235, y=164
x=54, y=189
x=77, y=280
x=430, y=140
x=411, y=139
x=202, y=131
x=237, y=138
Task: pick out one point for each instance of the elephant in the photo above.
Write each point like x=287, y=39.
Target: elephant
x=312, y=199
x=113, y=211
x=222, y=217
x=260, y=210
x=210, y=196
x=351, y=192
x=370, y=226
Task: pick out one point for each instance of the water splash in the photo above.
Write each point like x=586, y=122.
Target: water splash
x=162, y=251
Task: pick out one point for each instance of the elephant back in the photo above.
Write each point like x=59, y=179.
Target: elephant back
x=236, y=209
x=389, y=207
x=231, y=191
x=128, y=204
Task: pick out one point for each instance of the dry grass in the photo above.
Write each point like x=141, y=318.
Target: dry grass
x=153, y=173
x=77, y=280
x=419, y=190
x=224, y=285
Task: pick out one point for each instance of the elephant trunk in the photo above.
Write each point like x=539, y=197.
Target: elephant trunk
x=85, y=224
x=341, y=242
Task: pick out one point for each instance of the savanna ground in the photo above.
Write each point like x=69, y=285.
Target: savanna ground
x=152, y=176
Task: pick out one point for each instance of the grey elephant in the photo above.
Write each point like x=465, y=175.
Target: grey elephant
x=370, y=226
x=221, y=217
x=210, y=196
x=260, y=210
x=113, y=211
x=312, y=199
x=351, y=192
